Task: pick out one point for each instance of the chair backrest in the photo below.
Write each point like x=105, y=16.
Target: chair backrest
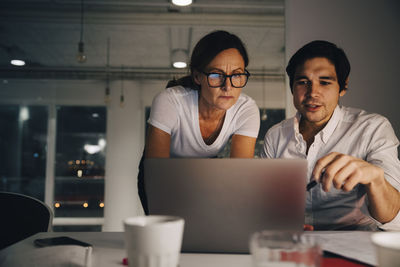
x=21, y=217
x=141, y=185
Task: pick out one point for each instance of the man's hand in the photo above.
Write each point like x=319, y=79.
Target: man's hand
x=345, y=172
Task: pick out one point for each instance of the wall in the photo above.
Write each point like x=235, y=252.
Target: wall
x=368, y=31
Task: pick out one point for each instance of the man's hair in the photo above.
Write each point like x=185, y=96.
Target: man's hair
x=322, y=49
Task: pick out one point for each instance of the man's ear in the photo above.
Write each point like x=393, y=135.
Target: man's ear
x=346, y=84
x=196, y=77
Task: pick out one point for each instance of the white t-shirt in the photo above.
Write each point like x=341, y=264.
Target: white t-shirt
x=350, y=131
x=175, y=111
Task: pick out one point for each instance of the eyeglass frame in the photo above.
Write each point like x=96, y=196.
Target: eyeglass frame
x=247, y=74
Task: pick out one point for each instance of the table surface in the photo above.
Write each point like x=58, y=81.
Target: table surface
x=108, y=250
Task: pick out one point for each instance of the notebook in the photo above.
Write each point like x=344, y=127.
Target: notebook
x=224, y=201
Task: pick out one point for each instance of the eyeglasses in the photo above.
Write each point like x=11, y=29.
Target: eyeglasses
x=238, y=80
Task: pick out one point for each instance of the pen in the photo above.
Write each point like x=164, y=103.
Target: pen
x=313, y=183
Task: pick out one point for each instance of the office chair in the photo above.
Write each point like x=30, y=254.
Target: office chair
x=21, y=217
x=141, y=186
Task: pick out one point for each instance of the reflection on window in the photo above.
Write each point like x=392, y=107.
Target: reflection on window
x=23, y=140
x=268, y=117
x=80, y=161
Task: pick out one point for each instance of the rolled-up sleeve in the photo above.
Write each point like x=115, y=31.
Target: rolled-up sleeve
x=248, y=122
x=163, y=114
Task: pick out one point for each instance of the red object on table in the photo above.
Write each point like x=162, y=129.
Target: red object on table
x=334, y=262
x=308, y=259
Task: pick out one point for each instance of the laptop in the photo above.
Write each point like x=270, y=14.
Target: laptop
x=224, y=201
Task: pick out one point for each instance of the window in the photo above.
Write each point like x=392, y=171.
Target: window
x=269, y=117
x=23, y=141
x=80, y=161
x=78, y=164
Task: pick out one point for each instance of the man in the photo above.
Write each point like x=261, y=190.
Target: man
x=351, y=154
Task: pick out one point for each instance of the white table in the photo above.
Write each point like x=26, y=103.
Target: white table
x=108, y=249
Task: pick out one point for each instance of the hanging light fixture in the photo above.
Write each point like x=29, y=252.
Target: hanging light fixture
x=107, y=98
x=179, y=58
x=80, y=56
x=264, y=115
x=122, y=98
x=16, y=55
x=180, y=38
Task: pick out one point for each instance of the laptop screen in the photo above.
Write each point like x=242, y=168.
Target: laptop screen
x=224, y=201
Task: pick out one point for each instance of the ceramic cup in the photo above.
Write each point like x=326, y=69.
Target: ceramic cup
x=153, y=241
x=284, y=249
x=387, y=248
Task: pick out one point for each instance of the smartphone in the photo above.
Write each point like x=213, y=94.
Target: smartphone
x=60, y=240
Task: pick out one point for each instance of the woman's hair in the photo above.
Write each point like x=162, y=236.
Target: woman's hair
x=322, y=49
x=206, y=50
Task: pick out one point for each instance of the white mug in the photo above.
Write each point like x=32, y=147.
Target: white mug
x=153, y=241
x=387, y=247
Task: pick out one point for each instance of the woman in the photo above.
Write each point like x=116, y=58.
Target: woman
x=197, y=117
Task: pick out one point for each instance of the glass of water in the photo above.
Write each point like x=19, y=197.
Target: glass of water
x=282, y=248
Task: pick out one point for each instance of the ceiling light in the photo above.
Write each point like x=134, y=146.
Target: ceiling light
x=179, y=58
x=17, y=62
x=182, y=2
x=179, y=64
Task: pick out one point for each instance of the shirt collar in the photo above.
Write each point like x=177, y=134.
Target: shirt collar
x=296, y=123
x=327, y=131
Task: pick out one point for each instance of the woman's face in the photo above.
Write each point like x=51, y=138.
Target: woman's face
x=227, y=62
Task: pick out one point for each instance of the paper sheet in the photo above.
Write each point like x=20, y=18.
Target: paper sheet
x=60, y=256
x=352, y=245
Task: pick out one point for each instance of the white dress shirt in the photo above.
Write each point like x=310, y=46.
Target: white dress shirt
x=349, y=131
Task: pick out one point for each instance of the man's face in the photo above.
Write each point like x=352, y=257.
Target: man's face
x=316, y=91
